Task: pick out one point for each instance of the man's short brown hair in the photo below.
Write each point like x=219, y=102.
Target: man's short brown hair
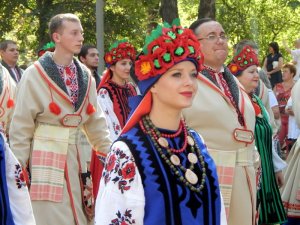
x=56, y=22
x=5, y=43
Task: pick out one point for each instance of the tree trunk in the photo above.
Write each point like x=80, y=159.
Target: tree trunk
x=100, y=31
x=42, y=33
x=168, y=10
x=207, y=8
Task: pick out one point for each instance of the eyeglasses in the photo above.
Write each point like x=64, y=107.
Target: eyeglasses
x=214, y=38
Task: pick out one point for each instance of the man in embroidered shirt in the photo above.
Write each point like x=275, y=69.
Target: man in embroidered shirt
x=9, y=52
x=56, y=97
x=222, y=113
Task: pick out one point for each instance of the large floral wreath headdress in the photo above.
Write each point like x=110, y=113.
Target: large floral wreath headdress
x=119, y=50
x=166, y=46
x=242, y=60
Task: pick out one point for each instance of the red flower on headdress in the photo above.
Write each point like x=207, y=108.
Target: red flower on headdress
x=108, y=58
x=180, y=50
x=170, y=46
x=233, y=68
x=243, y=59
x=144, y=67
x=121, y=50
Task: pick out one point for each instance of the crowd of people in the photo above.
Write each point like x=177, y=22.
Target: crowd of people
x=170, y=135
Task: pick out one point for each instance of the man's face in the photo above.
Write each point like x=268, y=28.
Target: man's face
x=91, y=60
x=69, y=39
x=10, y=55
x=214, y=44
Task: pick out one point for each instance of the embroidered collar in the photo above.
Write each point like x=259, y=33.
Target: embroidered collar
x=229, y=78
x=52, y=72
x=213, y=70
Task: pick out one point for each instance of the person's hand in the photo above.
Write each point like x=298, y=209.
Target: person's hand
x=269, y=74
x=279, y=178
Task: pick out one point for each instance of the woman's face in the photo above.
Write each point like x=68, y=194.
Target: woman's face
x=121, y=70
x=249, y=78
x=286, y=74
x=271, y=50
x=177, y=87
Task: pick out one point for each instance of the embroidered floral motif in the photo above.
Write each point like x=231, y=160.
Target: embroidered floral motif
x=87, y=194
x=120, y=169
x=117, y=128
x=103, y=93
x=125, y=219
x=19, y=177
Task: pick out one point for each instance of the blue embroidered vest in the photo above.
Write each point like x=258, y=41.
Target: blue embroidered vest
x=169, y=201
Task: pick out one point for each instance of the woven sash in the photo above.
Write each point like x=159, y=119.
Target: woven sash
x=49, y=156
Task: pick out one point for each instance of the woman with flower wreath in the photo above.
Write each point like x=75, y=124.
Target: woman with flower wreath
x=159, y=170
x=269, y=205
x=113, y=93
x=114, y=88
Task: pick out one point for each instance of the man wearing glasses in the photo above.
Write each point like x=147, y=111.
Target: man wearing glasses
x=223, y=114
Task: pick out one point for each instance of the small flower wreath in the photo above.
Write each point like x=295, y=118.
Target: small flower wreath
x=50, y=47
x=242, y=60
x=118, y=51
x=171, y=46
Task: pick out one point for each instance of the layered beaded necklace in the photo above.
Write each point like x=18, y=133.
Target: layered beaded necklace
x=190, y=178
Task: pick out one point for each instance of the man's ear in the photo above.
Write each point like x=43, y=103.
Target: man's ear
x=82, y=59
x=56, y=37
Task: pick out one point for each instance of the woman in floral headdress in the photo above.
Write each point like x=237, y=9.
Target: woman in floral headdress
x=114, y=89
x=159, y=170
x=113, y=93
x=269, y=204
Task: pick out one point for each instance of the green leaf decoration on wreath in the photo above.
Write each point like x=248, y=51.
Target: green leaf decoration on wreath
x=116, y=43
x=48, y=45
x=157, y=32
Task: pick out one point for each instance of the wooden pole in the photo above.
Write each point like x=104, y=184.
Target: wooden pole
x=100, y=33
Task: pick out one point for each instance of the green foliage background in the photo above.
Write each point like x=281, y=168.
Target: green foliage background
x=263, y=21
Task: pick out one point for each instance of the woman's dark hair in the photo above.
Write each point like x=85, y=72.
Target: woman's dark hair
x=275, y=46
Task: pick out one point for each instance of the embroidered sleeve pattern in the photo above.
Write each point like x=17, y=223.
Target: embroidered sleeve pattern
x=19, y=176
x=111, y=118
x=122, y=219
x=121, y=195
x=119, y=169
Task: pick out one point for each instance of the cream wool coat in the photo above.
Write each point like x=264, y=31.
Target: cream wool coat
x=215, y=118
x=290, y=192
x=32, y=113
x=8, y=89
